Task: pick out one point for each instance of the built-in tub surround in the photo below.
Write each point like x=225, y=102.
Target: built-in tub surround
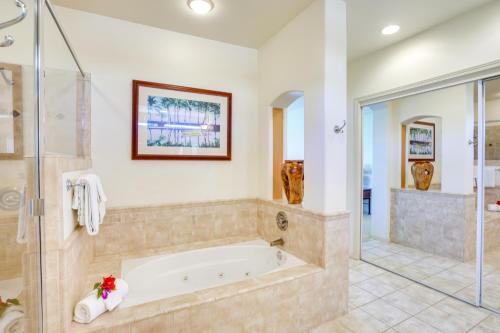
x=294, y=299
x=435, y=222
x=128, y=230
x=190, y=271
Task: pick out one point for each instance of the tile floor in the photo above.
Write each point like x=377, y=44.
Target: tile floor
x=380, y=301
x=451, y=276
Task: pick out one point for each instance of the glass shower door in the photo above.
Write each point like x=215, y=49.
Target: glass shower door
x=20, y=273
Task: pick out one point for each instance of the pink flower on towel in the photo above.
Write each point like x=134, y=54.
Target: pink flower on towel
x=105, y=287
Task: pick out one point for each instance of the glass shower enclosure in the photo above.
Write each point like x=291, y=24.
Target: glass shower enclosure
x=43, y=122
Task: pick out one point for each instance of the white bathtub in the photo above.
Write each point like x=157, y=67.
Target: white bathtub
x=164, y=276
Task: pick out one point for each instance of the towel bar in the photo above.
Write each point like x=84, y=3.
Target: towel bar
x=70, y=185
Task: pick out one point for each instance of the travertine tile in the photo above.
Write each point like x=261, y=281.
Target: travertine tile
x=333, y=326
x=361, y=322
x=414, y=325
x=405, y=302
x=489, y=325
x=423, y=294
x=376, y=287
x=445, y=321
x=385, y=312
x=359, y=297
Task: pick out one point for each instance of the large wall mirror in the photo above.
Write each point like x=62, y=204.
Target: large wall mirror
x=419, y=188
x=11, y=105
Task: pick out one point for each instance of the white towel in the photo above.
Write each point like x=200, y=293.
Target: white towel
x=116, y=297
x=12, y=321
x=89, y=199
x=21, y=220
x=89, y=308
x=92, y=307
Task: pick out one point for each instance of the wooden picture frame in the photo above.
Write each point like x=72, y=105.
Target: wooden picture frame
x=421, y=141
x=171, y=122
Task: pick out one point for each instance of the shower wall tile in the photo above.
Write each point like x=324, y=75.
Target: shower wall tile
x=128, y=230
x=436, y=222
x=11, y=253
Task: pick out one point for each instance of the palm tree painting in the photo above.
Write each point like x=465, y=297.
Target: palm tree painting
x=173, y=122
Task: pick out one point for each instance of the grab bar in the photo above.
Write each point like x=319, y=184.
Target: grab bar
x=9, y=40
x=18, y=19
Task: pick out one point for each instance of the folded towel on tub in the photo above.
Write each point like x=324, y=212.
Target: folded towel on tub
x=89, y=308
x=116, y=297
x=92, y=307
x=12, y=321
x=89, y=200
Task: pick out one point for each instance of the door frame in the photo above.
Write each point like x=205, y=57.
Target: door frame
x=478, y=74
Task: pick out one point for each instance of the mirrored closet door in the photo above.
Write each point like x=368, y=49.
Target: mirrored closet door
x=491, y=181
x=420, y=188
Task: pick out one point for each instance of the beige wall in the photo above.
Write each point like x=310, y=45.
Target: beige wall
x=151, y=54
x=309, y=55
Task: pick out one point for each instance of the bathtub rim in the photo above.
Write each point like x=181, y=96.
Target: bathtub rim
x=152, y=309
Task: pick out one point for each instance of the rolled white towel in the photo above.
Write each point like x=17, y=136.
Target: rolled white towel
x=89, y=308
x=12, y=321
x=116, y=296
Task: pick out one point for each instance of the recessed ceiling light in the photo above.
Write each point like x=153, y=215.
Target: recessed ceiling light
x=390, y=29
x=201, y=7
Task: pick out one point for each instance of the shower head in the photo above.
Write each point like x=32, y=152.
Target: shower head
x=7, y=80
x=9, y=40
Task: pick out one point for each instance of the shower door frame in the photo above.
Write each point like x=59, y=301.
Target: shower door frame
x=36, y=204
x=479, y=75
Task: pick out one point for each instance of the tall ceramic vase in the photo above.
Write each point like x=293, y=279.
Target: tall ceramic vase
x=422, y=173
x=292, y=175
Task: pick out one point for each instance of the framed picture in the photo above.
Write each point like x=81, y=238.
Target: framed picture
x=421, y=141
x=180, y=123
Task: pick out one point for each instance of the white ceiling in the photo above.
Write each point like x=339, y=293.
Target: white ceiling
x=251, y=22
x=242, y=22
x=366, y=18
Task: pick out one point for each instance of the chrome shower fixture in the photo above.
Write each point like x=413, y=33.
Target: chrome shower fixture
x=9, y=40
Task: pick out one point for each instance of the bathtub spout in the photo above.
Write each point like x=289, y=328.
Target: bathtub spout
x=277, y=242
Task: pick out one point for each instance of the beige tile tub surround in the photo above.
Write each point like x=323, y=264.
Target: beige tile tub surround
x=293, y=300
x=66, y=261
x=435, y=222
x=129, y=230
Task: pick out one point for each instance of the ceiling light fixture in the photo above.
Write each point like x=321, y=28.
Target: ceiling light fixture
x=201, y=7
x=390, y=29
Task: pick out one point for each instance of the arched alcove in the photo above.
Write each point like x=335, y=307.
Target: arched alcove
x=287, y=134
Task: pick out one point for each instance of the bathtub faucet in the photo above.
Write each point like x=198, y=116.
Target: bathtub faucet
x=277, y=242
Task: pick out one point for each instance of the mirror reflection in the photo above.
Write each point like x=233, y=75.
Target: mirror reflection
x=419, y=215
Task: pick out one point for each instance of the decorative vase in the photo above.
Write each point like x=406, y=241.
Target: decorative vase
x=292, y=175
x=422, y=173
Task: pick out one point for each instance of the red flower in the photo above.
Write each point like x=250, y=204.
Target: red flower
x=108, y=283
